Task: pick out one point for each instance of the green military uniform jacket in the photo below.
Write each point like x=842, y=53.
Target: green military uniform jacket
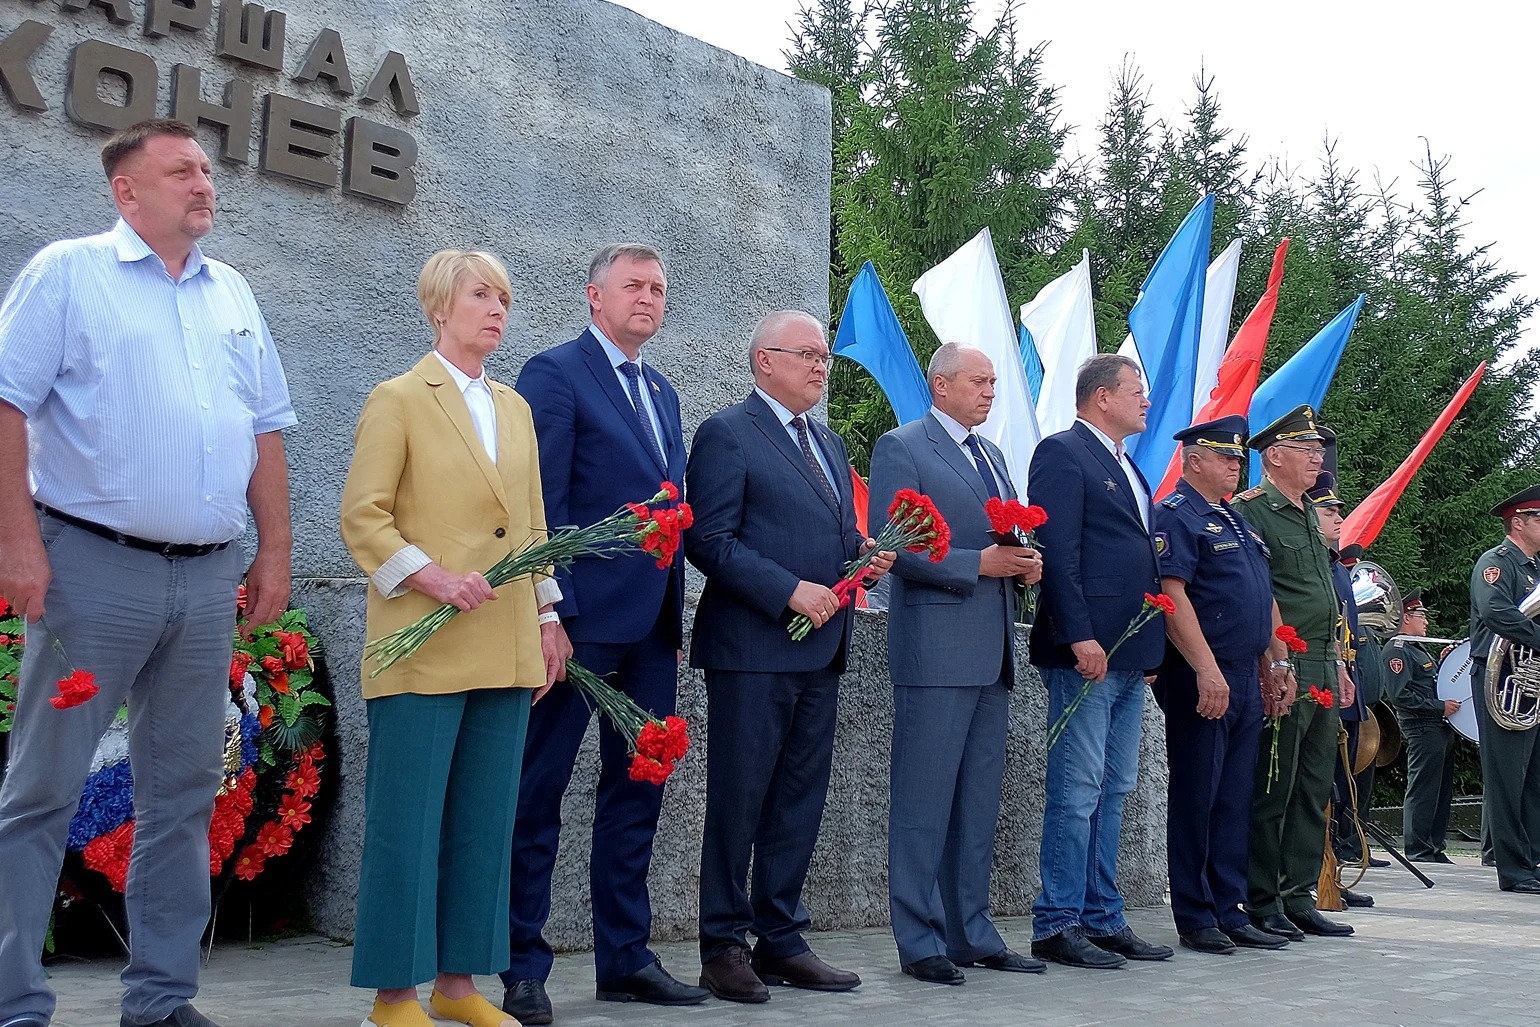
x=1412, y=675
x=1301, y=566
x=1502, y=577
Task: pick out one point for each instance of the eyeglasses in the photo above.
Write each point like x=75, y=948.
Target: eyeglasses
x=1312, y=453
x=809, y=357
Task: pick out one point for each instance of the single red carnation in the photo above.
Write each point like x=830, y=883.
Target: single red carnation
x=650, y=770
x=640, y=511
x=5, y=608
x=999, y=517
x=1297, y=644
x=649, y=742
x=677, y=742
x=686, y=515
x=1162, y=602
x=1034, y=517
x=1284, y=632
x=668, y=489
x=78, y=688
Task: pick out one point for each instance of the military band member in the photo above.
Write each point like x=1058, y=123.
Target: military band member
x=1369, y=682
x=1214, y=566
x=1430, y=741
x=1510, y=760
x=1288, y=816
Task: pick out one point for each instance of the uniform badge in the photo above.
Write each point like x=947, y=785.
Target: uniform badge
x=1220, y=547
x=1213, y=529
x=1112, y=486
x=1161, y=545
x=1491, y=574
x=1397, y=665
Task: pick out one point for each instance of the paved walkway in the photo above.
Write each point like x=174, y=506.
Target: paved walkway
x=1461, y=953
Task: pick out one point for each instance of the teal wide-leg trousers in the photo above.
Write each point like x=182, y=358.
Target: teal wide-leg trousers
x=439, y=802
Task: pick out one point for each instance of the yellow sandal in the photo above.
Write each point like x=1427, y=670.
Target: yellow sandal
x=398, y=1014
x=473, y=1009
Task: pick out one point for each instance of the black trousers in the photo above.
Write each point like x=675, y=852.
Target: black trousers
x=769, y=746
x=1510, y=776
x=1430, y=744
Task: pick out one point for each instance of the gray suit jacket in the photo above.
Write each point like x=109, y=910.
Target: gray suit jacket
x=946, y=625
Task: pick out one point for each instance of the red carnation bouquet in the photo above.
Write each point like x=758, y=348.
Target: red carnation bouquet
x=1014, y=524
x=634, y=525
x=655, y=745
x=1322, y=696
x=1154, y=606
x=914, y=524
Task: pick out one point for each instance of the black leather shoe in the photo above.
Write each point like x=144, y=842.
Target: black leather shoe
x=1248, y=937
x=731, y=977
x=1011, y=962
x=1277, y=923
x=1129, y=945
x=1524, y=887
x=527, y=1002
x=1377, y=863
x=1357, y=899
x=183, y=1015
x=804, y=970
x=934, y=970
x=1207, y=939
x=1489, y=861
x=1311, y=921
x=1071, y=948
x=1437, y=857
x=26, y=1020
x=651, y=984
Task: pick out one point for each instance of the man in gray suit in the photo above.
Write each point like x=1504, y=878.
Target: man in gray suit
x=950, y=658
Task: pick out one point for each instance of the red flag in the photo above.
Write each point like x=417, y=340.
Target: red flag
x=1241, y=365
x=858, y=494
x=1363, y=524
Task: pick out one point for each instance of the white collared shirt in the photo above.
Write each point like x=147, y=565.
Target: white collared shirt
x=478, y=399
x=779, y=409
x=618, y=357
x=1120, y=454
x=959, y=435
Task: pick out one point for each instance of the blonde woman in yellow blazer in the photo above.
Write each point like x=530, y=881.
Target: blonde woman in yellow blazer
x=445, y=481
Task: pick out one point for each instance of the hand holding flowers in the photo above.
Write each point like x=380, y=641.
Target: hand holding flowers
x=1153, y=606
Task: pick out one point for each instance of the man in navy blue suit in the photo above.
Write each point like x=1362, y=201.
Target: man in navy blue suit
x=775, y=524
x=1101, y=562
x=951, y=658
x=609, y=431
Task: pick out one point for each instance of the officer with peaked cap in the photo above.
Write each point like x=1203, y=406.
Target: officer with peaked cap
x=1288, y=816
x=1430, y=741
x=1213, y=565
x=1510, y=760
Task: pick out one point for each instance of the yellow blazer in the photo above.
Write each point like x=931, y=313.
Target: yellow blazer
x=420, y=476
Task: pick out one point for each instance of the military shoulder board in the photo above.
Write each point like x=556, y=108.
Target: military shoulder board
x=1250, y=493
x=1174, y=500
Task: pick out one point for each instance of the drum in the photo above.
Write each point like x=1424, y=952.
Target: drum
x=1454, y=683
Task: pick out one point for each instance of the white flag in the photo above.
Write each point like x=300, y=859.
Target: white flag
x=1129, y=350
x=964, y=300
x=1218, y=297
x=1062, y=323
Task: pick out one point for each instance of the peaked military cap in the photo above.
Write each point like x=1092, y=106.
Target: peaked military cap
x=1524, y=502
x=1225, y=435
x=1351, y=554
x=1324, y=491
x=1412, y=603
x=1298, y=425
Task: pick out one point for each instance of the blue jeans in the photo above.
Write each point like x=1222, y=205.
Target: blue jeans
x=1090, y=770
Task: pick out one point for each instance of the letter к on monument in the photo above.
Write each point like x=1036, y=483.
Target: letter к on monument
x=15, y=73
x=93, y=59
x=326, y=59
x=232, y=118
x=251, y=34
x=161, y=16
x=380, y=161
x=394, y=79
x=299, y=139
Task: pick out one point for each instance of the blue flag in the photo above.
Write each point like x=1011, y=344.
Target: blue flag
x=869, y=334
x=1033, y=364
x=1303, y=378
x=1167, y=324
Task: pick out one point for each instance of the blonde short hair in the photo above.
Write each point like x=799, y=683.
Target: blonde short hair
x=442, y=275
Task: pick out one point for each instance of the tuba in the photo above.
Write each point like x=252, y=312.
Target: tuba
x=1513, y=677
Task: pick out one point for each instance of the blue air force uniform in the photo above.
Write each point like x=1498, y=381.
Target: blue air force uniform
x=1224, y=563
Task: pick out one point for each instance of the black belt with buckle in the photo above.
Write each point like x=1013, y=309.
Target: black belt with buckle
x=167, y=549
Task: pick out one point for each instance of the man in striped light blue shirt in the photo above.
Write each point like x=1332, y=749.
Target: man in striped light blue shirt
x=155, y=402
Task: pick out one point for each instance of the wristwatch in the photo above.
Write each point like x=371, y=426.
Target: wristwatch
x=1279, y=663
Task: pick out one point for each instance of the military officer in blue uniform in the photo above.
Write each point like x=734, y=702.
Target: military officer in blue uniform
x=1214, y=566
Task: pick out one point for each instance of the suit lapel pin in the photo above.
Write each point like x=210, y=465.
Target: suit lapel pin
x=1112, y=486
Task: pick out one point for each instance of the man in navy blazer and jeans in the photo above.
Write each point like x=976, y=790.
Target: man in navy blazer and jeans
x=609, y=432
x=951, y=659
x=1101, y=562
x=775, y=524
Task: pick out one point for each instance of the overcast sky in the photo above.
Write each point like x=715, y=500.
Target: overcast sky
x=1376, y=75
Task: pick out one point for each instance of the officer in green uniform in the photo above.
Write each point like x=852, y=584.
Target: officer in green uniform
x=1288, y=817
x=1412, y=673
x=1510, y=760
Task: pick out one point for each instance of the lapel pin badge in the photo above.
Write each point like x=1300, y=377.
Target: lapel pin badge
x=1112, y=486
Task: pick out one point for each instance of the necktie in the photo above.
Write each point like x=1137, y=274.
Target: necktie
x=981, y=463
x=812, y=461
x=633, y=373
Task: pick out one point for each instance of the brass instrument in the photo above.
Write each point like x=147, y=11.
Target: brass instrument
x=1513, y=677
